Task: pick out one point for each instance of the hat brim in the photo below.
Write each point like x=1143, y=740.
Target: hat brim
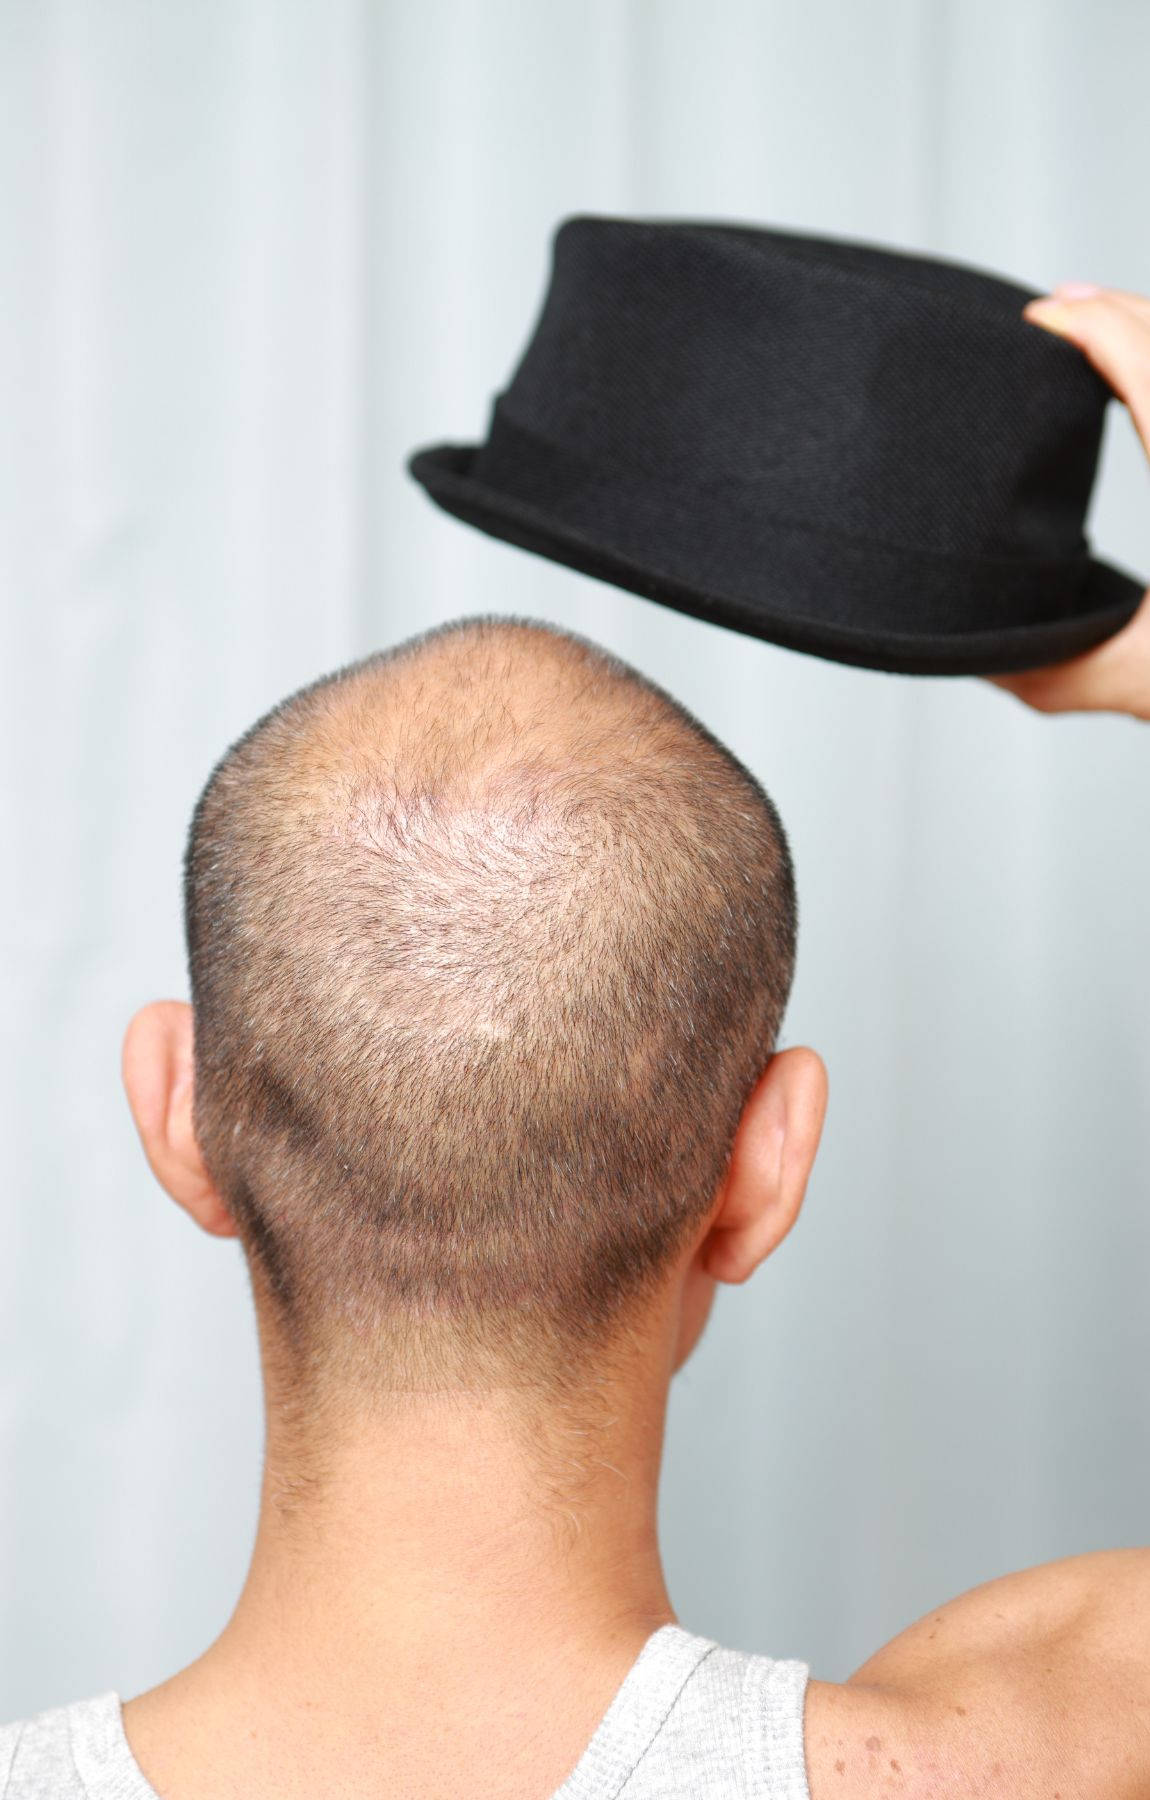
x=1107, y=599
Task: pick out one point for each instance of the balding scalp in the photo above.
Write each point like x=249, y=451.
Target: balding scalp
x=489, y=941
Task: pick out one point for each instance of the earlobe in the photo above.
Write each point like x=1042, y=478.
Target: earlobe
x=158, y=1074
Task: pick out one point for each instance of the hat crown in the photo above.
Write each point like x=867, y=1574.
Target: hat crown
x=852, y=388
x=862, y=452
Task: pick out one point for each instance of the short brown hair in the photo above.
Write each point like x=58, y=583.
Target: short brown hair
x=489, y=940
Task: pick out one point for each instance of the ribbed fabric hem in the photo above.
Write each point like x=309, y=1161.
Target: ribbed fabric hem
x=774, y=1700
x=102, y=1754
x=10, y=1739
x=637, y=1713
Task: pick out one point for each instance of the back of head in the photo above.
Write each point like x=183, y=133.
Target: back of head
x=489, y=941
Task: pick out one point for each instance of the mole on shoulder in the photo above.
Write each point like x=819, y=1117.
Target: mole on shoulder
x=874, y=1743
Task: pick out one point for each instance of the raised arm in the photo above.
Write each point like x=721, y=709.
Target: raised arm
x=1035, y=1686
x=1113, y=329
x=1032, y=1687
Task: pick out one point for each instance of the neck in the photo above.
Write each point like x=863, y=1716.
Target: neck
x=401, y=1536
x=442, y=1558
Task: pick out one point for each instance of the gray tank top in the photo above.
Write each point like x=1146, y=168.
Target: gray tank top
x=691, y=1721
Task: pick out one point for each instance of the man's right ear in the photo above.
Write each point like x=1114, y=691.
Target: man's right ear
x=771, y=1161
x=158, y=1072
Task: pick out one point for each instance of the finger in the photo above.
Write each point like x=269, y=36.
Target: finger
x=1116, y=338
x=1085, y=290
x=1062, y=688
x=1113, y=677
x=1137, y=303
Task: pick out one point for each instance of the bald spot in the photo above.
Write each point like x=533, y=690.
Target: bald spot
x=489, y=940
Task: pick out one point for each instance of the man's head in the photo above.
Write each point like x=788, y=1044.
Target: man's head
x=489, y=944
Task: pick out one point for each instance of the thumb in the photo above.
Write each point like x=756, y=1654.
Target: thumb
x=1112, y=329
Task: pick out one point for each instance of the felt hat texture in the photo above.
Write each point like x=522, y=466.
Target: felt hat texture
x=851, y=450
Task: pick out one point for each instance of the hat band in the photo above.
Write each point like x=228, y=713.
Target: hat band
x=711, y=536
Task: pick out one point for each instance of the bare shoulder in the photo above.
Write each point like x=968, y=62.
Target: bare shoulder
x=1035, y=1686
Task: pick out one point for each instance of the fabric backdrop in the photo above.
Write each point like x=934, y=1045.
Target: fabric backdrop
x=252, y=252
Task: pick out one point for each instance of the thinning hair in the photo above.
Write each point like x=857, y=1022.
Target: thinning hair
x=489, y=940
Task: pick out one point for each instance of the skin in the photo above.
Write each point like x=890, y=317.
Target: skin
x=428, y=1529
x=1112, y=328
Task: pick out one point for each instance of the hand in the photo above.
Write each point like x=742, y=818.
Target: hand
x=1113, y=329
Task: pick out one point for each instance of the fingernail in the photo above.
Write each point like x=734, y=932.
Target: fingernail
x=1077, y=290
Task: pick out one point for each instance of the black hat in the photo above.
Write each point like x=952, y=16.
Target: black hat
x=855, y=451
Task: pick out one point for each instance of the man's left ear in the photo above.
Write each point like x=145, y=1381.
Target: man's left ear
x=158, y=1072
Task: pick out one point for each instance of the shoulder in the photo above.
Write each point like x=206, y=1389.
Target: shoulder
x=1036, y=1686
x=37, y=1760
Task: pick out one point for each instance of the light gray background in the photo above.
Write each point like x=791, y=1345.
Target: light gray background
x=253, y=251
